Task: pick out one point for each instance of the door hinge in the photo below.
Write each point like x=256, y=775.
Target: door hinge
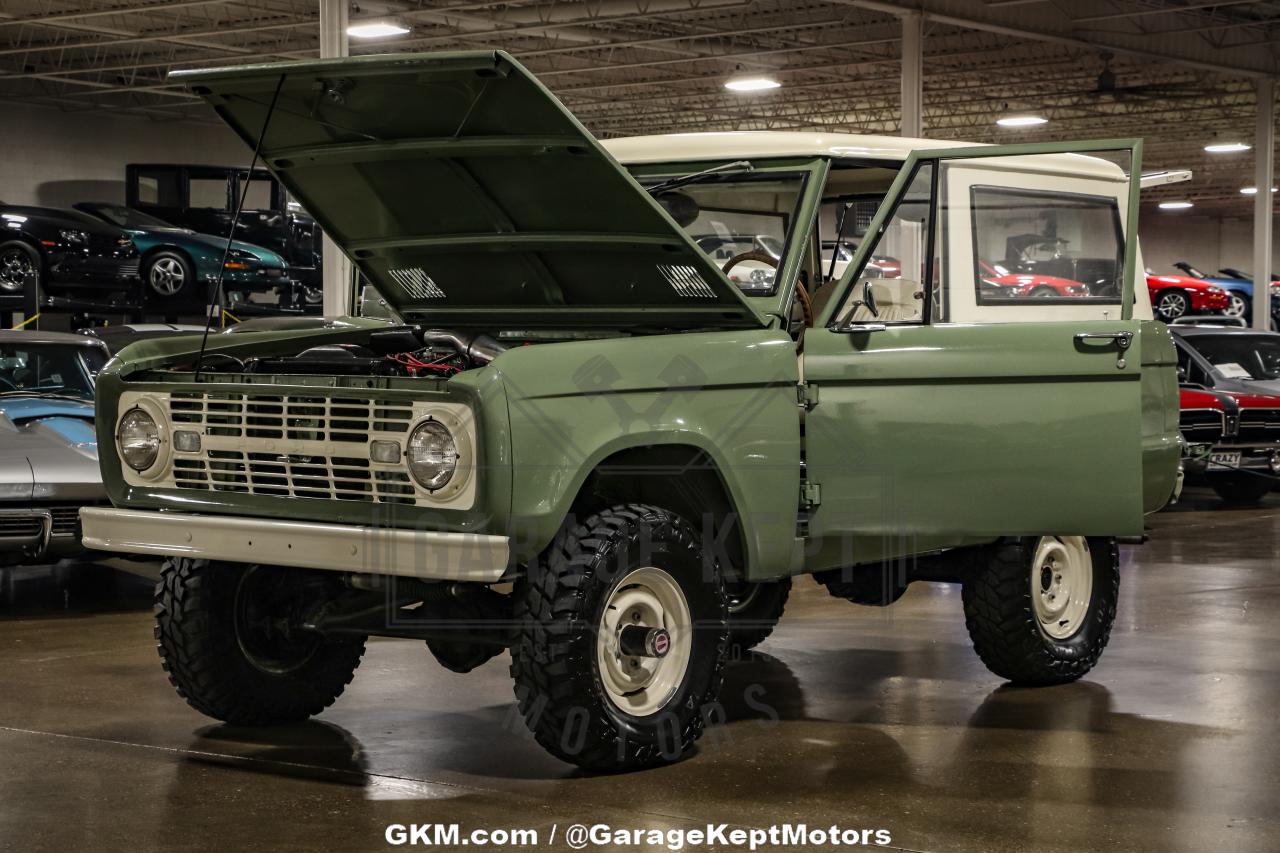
x=810, y=494
x=806, y=395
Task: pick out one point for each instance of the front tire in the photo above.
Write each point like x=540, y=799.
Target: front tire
x=218, y=629
x=1172, y=304
x=1236, y=306
x=586, y=700
x=1241, y=489
x=754, y=611
x=1040, y=611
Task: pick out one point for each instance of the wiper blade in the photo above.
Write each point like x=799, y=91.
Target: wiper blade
x=705, y=174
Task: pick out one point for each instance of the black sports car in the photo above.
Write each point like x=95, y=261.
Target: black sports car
x=65, y=253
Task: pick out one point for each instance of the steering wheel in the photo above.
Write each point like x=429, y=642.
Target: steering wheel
x=806, y=304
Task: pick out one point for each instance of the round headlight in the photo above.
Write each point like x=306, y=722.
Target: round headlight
x=139, y=440
x=432, y=455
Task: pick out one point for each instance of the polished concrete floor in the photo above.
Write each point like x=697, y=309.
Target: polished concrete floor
x=856, y=716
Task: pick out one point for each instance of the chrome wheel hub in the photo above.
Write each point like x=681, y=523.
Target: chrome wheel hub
x=15, y=269
x=644, y=641
x=1173, y=306
x=166, y=276
x=1061, y=584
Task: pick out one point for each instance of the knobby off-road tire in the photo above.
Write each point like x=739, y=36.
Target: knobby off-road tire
x=754, y=611
x=234, y=673
x=627, y=561
x=1008, y=627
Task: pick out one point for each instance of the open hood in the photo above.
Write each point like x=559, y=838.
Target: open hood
x=469, y=195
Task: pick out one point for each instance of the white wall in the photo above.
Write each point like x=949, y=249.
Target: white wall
x=1206, y=243
x=54, y=159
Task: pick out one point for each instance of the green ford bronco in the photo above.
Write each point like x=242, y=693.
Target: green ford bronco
x=630, y=389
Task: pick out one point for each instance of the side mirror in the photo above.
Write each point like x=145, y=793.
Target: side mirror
x=1182, y=375
x=869, y=299
x=845, y=323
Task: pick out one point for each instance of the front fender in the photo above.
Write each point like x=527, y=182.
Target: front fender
x=729, y=394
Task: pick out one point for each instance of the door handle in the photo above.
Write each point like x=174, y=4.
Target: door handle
x=1121, y=339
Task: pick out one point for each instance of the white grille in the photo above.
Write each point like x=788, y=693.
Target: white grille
x=417, y=283
x=686, y=281
x=327, y=439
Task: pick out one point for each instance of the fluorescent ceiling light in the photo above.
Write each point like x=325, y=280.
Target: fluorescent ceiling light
x=376, y=29
x=751, y=84
x=1175, y=205
x=1021, y=121
x=1253, y=190
x=1227, y=147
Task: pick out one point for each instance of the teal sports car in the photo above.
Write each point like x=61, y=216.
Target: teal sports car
x=178, y=265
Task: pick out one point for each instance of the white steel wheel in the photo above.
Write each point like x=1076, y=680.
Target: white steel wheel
x=167, y=276
x=649, y=598
x=1061, y=584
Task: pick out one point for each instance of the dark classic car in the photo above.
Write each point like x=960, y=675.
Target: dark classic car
x=1233, y=442
x=203, y=198
x=48, y=447
x=178, y=265
x=64, y=254
x=1228, y=358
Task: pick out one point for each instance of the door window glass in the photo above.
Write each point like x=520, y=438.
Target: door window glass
x=159, y=186
x=891, y=286
x=1054, y=247
x=208, y=192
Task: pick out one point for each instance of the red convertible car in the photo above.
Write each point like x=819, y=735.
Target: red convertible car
x=1020, y=284
x=1233, y=442
x=1174, y=296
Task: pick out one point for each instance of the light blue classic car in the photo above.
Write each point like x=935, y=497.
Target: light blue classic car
x=48, y=448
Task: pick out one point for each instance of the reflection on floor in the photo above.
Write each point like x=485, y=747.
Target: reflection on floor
x=863, y=717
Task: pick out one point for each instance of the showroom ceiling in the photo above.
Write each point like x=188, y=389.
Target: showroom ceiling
x=1180, y=73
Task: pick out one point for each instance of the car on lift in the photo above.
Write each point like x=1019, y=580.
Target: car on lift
x=47, y=251
x=1232, y=442
x=204, y=198
x=48, y=446
x=178, y=266
x=1176, y=296
x=580, y=441
x=1239, y=290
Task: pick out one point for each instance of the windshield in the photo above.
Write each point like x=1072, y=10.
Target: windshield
x=1241, y=356
x=741, y=221
x=127, y=217
x=49, y=369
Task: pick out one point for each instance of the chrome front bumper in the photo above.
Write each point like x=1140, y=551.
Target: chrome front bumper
x=431, y=555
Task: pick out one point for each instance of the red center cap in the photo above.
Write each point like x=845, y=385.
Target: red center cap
x=661, y=642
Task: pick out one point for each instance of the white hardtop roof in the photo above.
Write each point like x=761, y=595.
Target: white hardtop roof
x=763, y=144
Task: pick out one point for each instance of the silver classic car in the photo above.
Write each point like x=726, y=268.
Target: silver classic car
x=48, y=449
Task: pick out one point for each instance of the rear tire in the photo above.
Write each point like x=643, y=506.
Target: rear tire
x=20, y=268
x=754, y=611
x=1242, y=489
x=1021, y=629
x=168, y=277
x=631, y=564
x=218, y=641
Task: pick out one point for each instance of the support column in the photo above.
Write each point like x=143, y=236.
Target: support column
x=1264, y=145
x=912, y=75
x=337, y=268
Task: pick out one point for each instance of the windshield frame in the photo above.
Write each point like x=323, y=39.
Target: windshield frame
x=1247, y=339
x=813, y=174
x=77, y=352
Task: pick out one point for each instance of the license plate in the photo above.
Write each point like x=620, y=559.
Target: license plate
x=1224, y=460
